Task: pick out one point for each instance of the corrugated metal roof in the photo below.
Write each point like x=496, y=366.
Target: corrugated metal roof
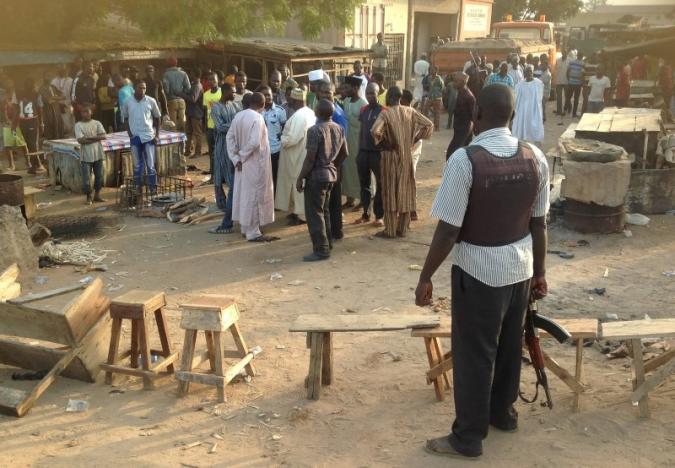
x=282, y=48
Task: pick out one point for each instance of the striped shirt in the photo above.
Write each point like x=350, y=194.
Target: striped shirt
x=494, y=266
x=496, y=78
x=576, y=72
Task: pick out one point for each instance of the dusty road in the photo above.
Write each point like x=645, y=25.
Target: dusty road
x=379, y=411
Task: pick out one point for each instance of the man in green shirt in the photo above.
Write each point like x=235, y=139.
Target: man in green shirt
x=435, y=100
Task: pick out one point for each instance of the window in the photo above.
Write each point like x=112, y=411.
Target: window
x=533, y=33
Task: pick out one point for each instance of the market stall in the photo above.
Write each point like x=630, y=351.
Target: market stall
x=63, y=158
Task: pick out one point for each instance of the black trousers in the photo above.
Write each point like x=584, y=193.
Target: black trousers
x=487, y=336
x=211, y=141
x=275, y=170
x=335, y=207
x=460, y=138
x=317, y=212
x=573, y=92
x=368, y=162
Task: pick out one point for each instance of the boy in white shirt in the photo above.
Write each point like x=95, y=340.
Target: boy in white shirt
x=89, y=134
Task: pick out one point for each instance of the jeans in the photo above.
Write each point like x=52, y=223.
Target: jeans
x=368, y=162
x=144, y=158
x=229, y=180
x=573, y=91
x=335, y=208
x=594, y=107
x=487, y=337
x=561, y=99
x=317, y=212
x=211, y=140
x=87, y=167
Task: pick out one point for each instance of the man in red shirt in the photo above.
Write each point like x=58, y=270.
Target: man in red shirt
x=623, y=85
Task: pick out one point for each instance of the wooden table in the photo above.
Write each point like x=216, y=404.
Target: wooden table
x=662, y=366
x=320, y=342
x=441, y=363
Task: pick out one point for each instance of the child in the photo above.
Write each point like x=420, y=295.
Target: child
x=89, y=134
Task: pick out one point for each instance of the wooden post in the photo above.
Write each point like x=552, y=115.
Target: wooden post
x=327, y=366
x=639, y=368
x=578, y=372
x=315, y=363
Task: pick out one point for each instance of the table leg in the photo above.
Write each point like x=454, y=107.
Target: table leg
x=639, y=369
x=327, y=365
x=315, y=364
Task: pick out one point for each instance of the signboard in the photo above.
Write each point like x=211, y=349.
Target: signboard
x=476, y=18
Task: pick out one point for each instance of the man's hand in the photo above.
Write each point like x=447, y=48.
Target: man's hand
x=155, y=140
x=238, y=166
x=539, y=287
x=423, y=293
x=300, y=185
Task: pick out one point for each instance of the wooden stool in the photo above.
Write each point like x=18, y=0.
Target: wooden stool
x=136, y=306
x=213, y=315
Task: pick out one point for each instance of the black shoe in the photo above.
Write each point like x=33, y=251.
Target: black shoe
x=89, y=200
x=314, y=257
x=505, y=425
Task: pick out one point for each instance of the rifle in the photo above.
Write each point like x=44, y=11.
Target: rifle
x=534, y=321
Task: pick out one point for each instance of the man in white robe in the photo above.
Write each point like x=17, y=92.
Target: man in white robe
x=421, y=69
x=293, y=153
x=528, y=124
x=249, y=150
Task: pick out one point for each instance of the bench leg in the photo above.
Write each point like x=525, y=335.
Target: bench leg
x=134, y=344
x=578, y=372
x=440, y=356
x=145, y=354
x=211, y=350
x=186, y=359
x=431, y=355
x=241, y=347
x=218, y=351
x=327, y=365
x=315, y=364
x=114, y=347
x=639, y=369
x=164, y=337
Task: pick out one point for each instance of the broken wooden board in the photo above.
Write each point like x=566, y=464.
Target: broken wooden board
x=362, y=323
x=578, y=328
x=636, y=329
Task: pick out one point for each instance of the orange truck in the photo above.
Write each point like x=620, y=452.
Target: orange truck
x=508, y=37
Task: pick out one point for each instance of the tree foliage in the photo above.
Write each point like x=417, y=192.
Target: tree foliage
x=30, y=21
x=555, y=10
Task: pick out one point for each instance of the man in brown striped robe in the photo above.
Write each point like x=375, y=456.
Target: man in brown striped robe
x=396, y=130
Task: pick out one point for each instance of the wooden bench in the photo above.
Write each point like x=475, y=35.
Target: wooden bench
x=73, y=337
x=440, y=363
x=320, y=342
x=662, y=366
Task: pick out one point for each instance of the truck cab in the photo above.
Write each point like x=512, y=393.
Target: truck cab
x=541, y=31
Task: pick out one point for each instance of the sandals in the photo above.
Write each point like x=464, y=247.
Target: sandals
x=361, y=220
x=264, y=239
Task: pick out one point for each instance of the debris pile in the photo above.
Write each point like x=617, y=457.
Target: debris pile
x=79, y=253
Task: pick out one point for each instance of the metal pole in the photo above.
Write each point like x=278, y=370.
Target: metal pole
x=409, y=45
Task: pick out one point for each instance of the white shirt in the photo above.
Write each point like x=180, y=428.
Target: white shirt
x=598, y=87
x=494, y=266
x=65, y=87
x=140, y=115
x=516, y=74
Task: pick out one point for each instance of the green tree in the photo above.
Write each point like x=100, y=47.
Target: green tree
x=33, y=21
x=555, y=10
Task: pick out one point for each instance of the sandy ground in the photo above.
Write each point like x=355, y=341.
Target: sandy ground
x=379, y=411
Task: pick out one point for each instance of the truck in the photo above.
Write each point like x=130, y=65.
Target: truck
x=507, y=37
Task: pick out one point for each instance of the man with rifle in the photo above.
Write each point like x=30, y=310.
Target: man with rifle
x=491, y=206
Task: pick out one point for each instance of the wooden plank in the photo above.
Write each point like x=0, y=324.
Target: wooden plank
x=605, y=124
x=118, y=369
x=622, y=123
x=218, y=363
x=441, y=368
x=439, y=355
x=578, y=328
x=315, y=365
x=653, y=381
x=139, y=299
x=659, y=360
x=236, y=369
x=626, y=330
x=163, y=331
x=589, y=123
x=94, y=347
x=241, y=347
x=438, y=389
x=327, y=365
x=38, y=324
x=578, y=371
x=47, y=294
x=83, y=312
x=145, y=353
x=563, y=374
x=9, y=275
x=207, y=319
x=209, y=302
x=639, y=370
x=210, y=349
x=10, y=398
x=39, y=358
x=186, y=359
x=134, y=344
x=361, y=323
x=114, y=347
x=651, y=123
x=204, y=379
x=10, y=291
x=165, y=363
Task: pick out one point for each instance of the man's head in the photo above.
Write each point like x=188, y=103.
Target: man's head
x=61, y=71
x=372, y=90
x=240, y=81
x=257, y=102
x=140, y=89
x=503, y=69
x=423, y=57
x=284, y=71
x=580, y=56
x=266, y=91
x=459, y=80
x=134, y=74
x=514, y=60
x=227, y=93
x=600, y=71
x=246, y=101
x=343, y=90
x=535, y=61
x=394, y=96
x=193, y=75
x=406, y=98
x=433, y=71
x=521, y=61
x=378, y=77
x=118, y=80
x=220, y=74
x=212, y=81
x=85, y=112
x=543, y=58
x=528, y=58
x=233, y=70
x=88, y=68
x=483, y=60
x=150, y=71
x=275, y=81
x=529, y=73
x=358, y=67
x=326, y=91
x=380, y=37
x=354, y=84
x=324, y=110
x=297, y=97
x=494, y=107
x=172, y=62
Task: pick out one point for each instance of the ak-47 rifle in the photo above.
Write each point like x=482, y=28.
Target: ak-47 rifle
x=534, y=321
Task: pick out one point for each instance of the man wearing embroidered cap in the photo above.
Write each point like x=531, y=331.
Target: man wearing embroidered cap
x=293, y=152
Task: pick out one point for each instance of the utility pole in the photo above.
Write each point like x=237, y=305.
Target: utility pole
x=409, y=45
